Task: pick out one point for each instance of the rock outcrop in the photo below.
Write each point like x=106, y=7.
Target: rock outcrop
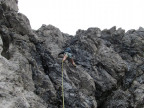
x=109, y=72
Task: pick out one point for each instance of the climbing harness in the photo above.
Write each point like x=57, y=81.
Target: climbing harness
x=62, y=85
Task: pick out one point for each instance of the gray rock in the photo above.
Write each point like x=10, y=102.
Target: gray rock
x=9, y=5
x=19, y=22
x=109, y=72
x=119, y=99
x=1, y=45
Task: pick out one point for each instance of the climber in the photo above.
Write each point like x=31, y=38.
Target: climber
x=67, y=54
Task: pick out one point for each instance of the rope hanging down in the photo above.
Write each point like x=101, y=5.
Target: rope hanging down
x=62, y=85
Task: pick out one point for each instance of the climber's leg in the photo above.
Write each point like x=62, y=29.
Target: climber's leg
x=73, y=62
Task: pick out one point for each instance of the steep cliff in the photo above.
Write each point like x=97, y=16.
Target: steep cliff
x=109, y=72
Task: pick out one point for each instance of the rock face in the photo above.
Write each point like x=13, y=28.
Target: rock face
x=109, y=72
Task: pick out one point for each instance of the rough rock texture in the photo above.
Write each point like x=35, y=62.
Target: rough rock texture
x=109, y=72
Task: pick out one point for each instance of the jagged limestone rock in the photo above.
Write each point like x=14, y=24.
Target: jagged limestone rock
x=109, y=70
x=9, y=5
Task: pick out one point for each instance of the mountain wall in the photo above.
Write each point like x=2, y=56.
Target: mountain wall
x=109, y=72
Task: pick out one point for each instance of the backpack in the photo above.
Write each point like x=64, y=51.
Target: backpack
x=68, y=50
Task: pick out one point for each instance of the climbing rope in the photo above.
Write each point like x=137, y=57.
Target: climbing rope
x=62, y=85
